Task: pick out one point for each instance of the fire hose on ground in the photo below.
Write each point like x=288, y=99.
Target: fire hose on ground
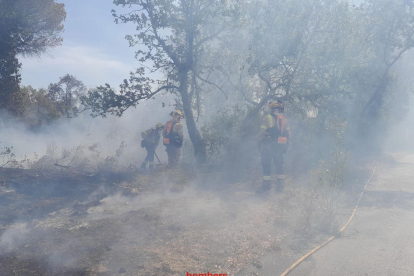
x=287, y=271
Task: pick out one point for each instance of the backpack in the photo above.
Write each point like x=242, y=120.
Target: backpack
x=172, y=138
x=277, y=131
x=151, y=139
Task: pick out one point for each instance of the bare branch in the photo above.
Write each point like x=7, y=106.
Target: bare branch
x=239, y=87
x=211, y=83
x=205, y=39
x=165, y=47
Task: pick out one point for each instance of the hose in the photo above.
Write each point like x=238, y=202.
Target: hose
x=287, y=271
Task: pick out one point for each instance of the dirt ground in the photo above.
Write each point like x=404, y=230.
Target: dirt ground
x=379, y=240
x=166, y=224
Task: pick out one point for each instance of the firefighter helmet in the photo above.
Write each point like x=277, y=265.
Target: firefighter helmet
x=276, y=105
x=159, y=125
x=177, y=113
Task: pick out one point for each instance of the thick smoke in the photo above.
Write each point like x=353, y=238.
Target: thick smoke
x=106, y=133
x=81, y=206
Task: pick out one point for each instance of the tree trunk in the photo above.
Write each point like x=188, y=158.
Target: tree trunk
x=376, y=100
x=195, y=136
x=251, y=118
x=370, y=128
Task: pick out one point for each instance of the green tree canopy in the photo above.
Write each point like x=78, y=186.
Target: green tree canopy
x=65, y=94
x=27, y=27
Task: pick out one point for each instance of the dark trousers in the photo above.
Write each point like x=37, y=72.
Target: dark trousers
x=272, y=151
x=149, y=159
x=173, y=153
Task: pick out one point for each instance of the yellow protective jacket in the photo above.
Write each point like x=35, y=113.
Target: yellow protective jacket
x=268, y=123
x=151, y=137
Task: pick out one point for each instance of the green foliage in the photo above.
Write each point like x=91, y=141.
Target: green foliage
x=26, y=28
x=9, y=77
x=331, y=172
x=221, y=134
x=326, y=59
x=33, y=107
x=65, y=95
x=327, y=181
x=389, y=32
x=39, y=107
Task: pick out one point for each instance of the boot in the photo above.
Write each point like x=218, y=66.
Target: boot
x=144, y=166
x=264, y=188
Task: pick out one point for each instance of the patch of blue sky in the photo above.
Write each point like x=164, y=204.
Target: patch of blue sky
x=94, y=48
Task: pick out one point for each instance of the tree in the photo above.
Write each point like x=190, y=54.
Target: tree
x=298, y=50
x=33, y=107
x=65, y=94
x=27, y=27
x=9, y=77
x=389, y=26
x=327, y=59
x=172, y=36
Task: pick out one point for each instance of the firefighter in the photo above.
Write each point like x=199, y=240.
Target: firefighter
x=173, y=137
x=274, y=137
x=150, y=141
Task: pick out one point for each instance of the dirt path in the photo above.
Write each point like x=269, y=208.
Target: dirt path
x=380, y=239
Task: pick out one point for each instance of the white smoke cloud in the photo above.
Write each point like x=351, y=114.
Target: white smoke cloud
x=13, y=237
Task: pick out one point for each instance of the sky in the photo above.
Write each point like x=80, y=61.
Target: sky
x=94, y=48
x=95, y=51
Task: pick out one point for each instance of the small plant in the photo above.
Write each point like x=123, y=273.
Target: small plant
x=79, y=160
x=111, y=162
x=8, y=157
x=9, y=160
x=327, y=182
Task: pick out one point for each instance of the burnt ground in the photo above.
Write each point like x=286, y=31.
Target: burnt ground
x=167, y=224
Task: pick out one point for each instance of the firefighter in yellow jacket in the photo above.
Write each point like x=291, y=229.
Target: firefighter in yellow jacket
x=173, y=137
x=274, y=137
x=150, y=141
